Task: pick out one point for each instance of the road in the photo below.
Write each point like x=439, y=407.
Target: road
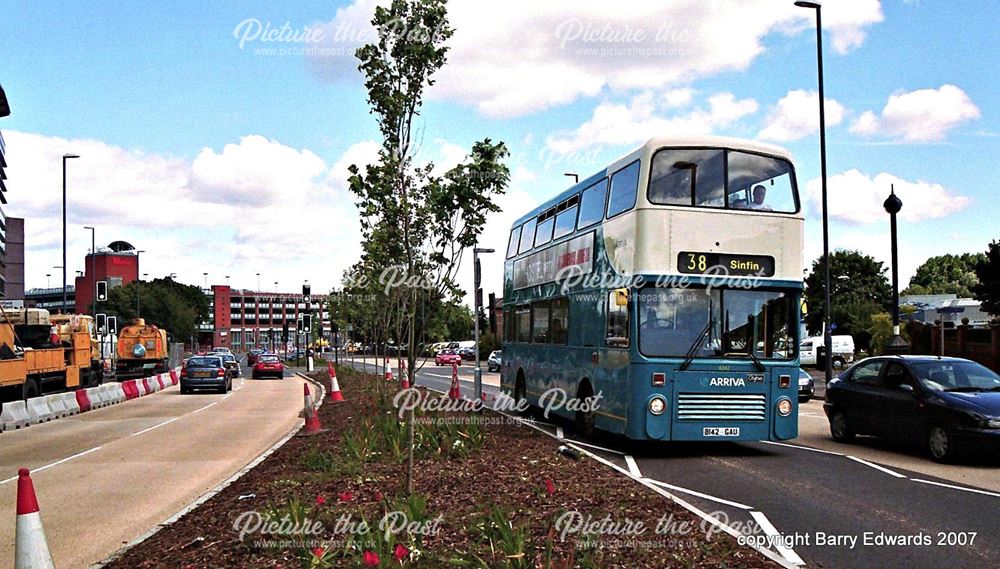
x=812, y=487
x=105, y=477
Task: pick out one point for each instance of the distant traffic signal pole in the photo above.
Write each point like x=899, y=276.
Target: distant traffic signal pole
x=478, y=379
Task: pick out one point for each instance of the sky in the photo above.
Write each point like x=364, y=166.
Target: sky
x=216, y=136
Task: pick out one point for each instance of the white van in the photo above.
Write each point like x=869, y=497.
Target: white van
x=843, y=351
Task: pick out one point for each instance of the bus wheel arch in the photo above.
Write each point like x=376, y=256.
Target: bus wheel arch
x=585, y=419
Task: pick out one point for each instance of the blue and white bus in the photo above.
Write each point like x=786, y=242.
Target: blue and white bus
x=669, y=283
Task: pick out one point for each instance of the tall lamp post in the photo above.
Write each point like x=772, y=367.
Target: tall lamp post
x=64, y=159
x=475, y=317
x=93, y=270
x=827, y=333
x=896, y=343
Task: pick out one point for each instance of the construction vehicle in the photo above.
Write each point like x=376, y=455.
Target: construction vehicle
x=142, y=350
x=37, y=357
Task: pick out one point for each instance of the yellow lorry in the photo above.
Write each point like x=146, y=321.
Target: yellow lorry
x=40, y=356
x=142, y=350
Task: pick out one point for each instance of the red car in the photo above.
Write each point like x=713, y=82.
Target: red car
x=268, y=365
x=447, y=357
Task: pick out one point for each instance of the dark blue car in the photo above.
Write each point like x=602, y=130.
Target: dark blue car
x=948, y=405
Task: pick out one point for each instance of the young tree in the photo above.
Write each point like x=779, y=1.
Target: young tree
x=855, y=280
x=416, y=222
x=175, y=307
x=987, y=291
x=946, y=274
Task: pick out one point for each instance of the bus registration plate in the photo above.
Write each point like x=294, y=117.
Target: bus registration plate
x=720, y=432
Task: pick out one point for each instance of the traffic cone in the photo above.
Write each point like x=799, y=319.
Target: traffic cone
x=335, y=394
x=312, y=419
x=405, y=375
x=388, y=370
x=454, y=392
x=31, y=550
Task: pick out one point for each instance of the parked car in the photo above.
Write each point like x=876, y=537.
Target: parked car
x=843, y=351
x=945, y=404
x=268, y=365
x=807, y=387
x=252, y=356
x=447, y=358
x=437, y=347
x=201, y=372
x=493, y=362
x=467, y=353
x=222, y=350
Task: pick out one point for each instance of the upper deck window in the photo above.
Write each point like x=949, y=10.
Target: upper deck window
x=722, y=179
x=592, y=204
x=527, y=236
x=515, y=238
x=624, y=184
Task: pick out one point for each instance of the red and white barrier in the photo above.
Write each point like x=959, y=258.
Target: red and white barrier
x=31, y=549
x=83, y=400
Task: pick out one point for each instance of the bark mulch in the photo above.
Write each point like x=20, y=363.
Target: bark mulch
x=498, y=499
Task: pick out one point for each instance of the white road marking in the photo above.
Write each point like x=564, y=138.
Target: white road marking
x=200, y=409
x=803, y=448
x=771, y=532
x=632, y=466
x=156, y=426
x=559, y=432
x=56, y=463
x=955, y=487
x=877, y=467
x=611, y=450
x=699, y=494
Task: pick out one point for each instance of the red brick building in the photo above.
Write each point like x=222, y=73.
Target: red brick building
x=244, y=320
x=118, y=268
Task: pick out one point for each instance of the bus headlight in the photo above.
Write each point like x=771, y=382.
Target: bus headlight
x=784, y=406
x=657, y=405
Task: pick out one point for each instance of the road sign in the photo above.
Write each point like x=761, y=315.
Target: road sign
x=951, y=310
x=833, y=326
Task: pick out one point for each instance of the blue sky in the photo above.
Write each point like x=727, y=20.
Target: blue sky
x=231, y=160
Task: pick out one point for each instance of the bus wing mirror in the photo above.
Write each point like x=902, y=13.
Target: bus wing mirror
x=621, y=297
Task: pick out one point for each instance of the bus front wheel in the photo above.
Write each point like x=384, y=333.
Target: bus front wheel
x=585, y=419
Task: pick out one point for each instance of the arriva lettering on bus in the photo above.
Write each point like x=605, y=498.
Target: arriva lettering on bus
x=727, y=382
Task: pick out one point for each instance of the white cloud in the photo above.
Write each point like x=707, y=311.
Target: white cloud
x=520, y=57
x=256, y=205
x=797, y=115
x=919, y=116
x=856, y=198
x=645, y=117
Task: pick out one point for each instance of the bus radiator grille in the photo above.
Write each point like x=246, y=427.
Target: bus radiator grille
x=721, y=406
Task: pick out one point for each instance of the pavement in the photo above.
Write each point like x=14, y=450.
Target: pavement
x=105, y=477
x=824, y=498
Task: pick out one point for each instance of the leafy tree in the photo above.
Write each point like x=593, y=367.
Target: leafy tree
x=858, y=286
x=946, y=274
x=987, y=291
x=880, y=330
x=177, y=308
x=413, y=220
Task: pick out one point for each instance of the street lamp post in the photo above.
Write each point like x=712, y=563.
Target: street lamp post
x=475, y=317
x=896, y=343
x=64, y=159
x=574, y=175
x=138, y=285
x=827, y=333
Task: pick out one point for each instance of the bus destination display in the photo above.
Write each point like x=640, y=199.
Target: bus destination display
x=696, y=263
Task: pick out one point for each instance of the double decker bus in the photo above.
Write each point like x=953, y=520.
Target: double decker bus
x=669, y=285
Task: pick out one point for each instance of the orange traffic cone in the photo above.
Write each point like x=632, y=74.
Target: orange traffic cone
x=454, y=392
x=312, y=419
x=404, y=373
x=335, y=394
x=388, y=370
x=31, y=550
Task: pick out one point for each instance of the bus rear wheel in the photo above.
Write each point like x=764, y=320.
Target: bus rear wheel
x=585, y=419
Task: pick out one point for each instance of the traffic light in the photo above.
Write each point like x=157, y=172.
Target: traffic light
x=305, y=293
x=112, y=325
x=284, y=332
x=479, y=274
x=102, y=290
x=306, y=322
x=101, y=323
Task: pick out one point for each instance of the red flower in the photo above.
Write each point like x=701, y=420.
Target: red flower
x=400, y=552
x=378, y=496
x=346, y=496
x=549, y=486
x=318, y=552
x=371, y=559
x=320, y=500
